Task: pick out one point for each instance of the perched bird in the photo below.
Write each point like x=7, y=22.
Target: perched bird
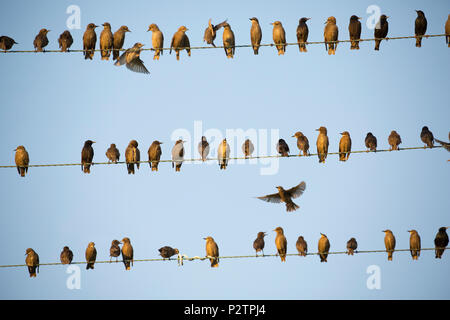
x=420, y=27
x=223, y=153
x=446, y=145
x=91, y=255
x=351, y=246
x=22, y=160
x=212, y=250
x=6, y=43
x=65, y=41
x=203, y=148
x=248, y=148
x=258, y=244
x=381, y=30
x=106, y=41
x=113, y=153
x=180, y=41
x=87, y=154
x=389, y=242
x=279, y=37
x=414, y=244
x=210, y=32
x=354, y=29
x=441, y=242
x=394, y=140
x=132, y=156
x=447, y=31
x=330, y=34
x=154, y=154
x=131, y=58
x=281, y=243
x=324, y=247
x=228, y=40
x=127, y=253
x=371, y=142
x=302, y=143
x=255, y=35
x=66, y=255
x=167, y=252
x=118, y=41
x=345, y=146
x=41, y=40
x=157, y=40
x=302, y=246
x=286, y=196
x=178, y=154
x=322, y=144
x=114, y=251
x=32, y=262
x=427, y=137
x=283, y=148
x=302, y=34
x=89, y=41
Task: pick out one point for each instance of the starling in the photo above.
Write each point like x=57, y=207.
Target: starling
x=114, y=251
x=447, y=31
x=281, y=243
x=32, y=262
x=118, y=40
x=354, y=29
x=178, y=154
x=167, y=252
x=132, y=156
x=210, y=32
x=394, y=140
x=127, y=253
x=91, y=255
x=223, y=153
x=248, y=148
x=330, y=33
x=66, y=256
x=302, y=246
x=106, y=41
x=41, y=40
x=322, y=144
x=212, y=250
x=279, y=37
x=157, y=40
x=371, y=142
x=414, y=244
x=203, y=148
x=420, y=27
x=283, y=148
x=351, y=246
x=6, y=43
x=446, y=145
x=381, y=31
x=256, y=35
x=324, y=247
x=427, y=137
x=389, y=242
x=286, y=196
x=302, y=34
x=345, y=146
x=228, y=40
x=154, y=154
x=87, y=154
x=131, y=58
x=441, y=242
x=302, y=143
x=113, y=153
x=65, y=41
x=89, y=41
x=180, y=41
x=22, y=160
x=258, y=244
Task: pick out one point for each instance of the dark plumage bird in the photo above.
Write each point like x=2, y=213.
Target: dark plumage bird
x=427, y=137
x=203, y=148
x=279, y=37
x=371, y=142
x=210, y=32
x=131, y=59
x=22, y=160
x=389, y=242
x=87, y=154
x=157, y=40
x=381, y=30
x=345, y=146
x=352, y=245
x=354, y=29
x=255, y=35
x=324, y=247
x=32, y=262
x=302, y=143
x=91, y=255
x=447, y=31
x=178, y=155
x=441, y=242
x=420, y=27
x=167, y=252
x=6, y=43
x=127, y=253
x=114, y=251
x=228, y=40
x=331, y=33
x=446, y=145
x=66, y=256
x=281, y=243
x=259, y=244
x=212, y=250
x=154, y=154
x=283, y=148
x=414, y=244
x=118, y=41
x=106, y=41
x=41, y=40
x=132, y=156
x=302, y=246
x=248, y=148
x=65, y=41
x=89, y=41
x=322, y=144
x=394, y=140
x=113, y=153
x=302, y=34
x=180, y=41
x=286, y=196
x=223, y=153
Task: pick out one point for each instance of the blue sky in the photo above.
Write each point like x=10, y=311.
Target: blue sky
x=52, y=103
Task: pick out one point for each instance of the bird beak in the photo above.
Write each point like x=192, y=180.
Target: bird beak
x=383, y=231
x=293, y=136
x=15, y=149
x=341, y=133
x=161, y=142
x=93, y=142
x=317, y=129
x=387, y=17
x=359, y=18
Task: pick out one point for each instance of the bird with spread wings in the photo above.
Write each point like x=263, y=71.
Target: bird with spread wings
x=286, y=196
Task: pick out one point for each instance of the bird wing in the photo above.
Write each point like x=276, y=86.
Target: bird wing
x=274, y=198
x=137, y=65
x=122, y=59
x=297, y=191
x=446, y=145
x=220, y=25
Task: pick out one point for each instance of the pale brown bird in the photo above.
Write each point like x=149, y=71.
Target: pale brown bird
x=203, y=148
x=345, y=146
x=282, y=148
x=41, y=40
x=106, y=41
x=371, y=142
x=157, y=40
x=389, y=242
x=6, y=43
x=354, y=29
x=127, y=253
x=65, y=41
x=114, y=251
x=113, y=153
x=210, y=32
x=180, y=41
x=420, y=27
x=259, y=244
x=91, y=255
x=381, y=30
x=89, y=41
x=394, y=140
x=167, y=252
x=414, y=244
x=22, y=160
x=132, y=156
x=352, y=245
x=441, y=242
x=255, y=35
x=330, y=34
x=131, y=59
x=178, y=155
x=427, y=137
x=302, y=143
x=87, y=155
x=447, y=31
x=118, y=41
x=302, y=34
x=223, y=153
x=154, y=155
x=228, y=41
x=286, y=196
x=32, y=262
x=279, y=37
x=248, y=148
x=66, y=256
x=302, y=246
x=322, y=144
x=212, y=250
x=281, y=243
x=324, y=247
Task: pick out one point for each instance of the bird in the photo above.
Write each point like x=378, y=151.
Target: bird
x=279, y=37
x=354, y=29
x=446, y=145
x=118, y=40
x=210, y=32
x=345, y=146
x=302, y=143
x=178, y=155
x=302, y=246
x=394, y=140
x=228, y=41
x=167, y=252
x=414, y=244
x=106, y=41
x=223, y=153
x=420, y=27
x=286, y=196
x=302, y=34
x=22, y=160
x=441, y=242
x=41, y=40
x=154, y=154
x=6, y=43
x=157, y=40
x=66, y=255
x=65, y=41
x=427, y=137
x=282, y=148
x=113, y=153
x=203, y=148
x=127, y=253
x=32, y=262
x=212, y=250
x=351, y=246
x=248, y=148
x=91, y=255
x=87, y=154
x=180, y=41
x=324, y=247
x=114, y=251
x=255, y=35
x=371, y=142
x=381, y=30
x=447, y=31
x=389, y=242
x=259, y=244
x=322, y=144
x=281, y=243
x=131, y=59
x=132, y=156
x=89, y=41
x=330, y=34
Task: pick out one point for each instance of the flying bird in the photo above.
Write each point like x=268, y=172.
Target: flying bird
x=255, y=35
x=302, y=143
x=89, y=41
x=354, y=29
x=180, y=41
x=427, y=137
x=114, y=251
x=41, y=40
x=441, y=242
x=131, y=58
x=330, y=34
x=113, y=153
x=389, y=242
x=394, y=140
x=324, y=247
x=248, y=148
x=87, y=154
x=91, y=255
x=22, y=160
x=210, y=32
x=279, y=37
x=65, y=41
x=302, y=34
x=282, y=148
x=322, y=144
x=157, y=40
x=371, y=142
x=381, y=30
x=281, y=243
x=259, y=244
x=203, y=148
x=223, y=154
x=352, y=245
x=446, y=145
x=414, y=244
x=132, y=156
x=154, y=155
x=345, y=146
x=420, y=27
x=302, y=246
x=106, y=41
x=228, y=40
x=118, y=41
x=167, y=252
x=286, y=196
x=6, y=43
x=127, y=253
x=32, y=262
x=66, y=256
x=212, y=250
x=178, y=155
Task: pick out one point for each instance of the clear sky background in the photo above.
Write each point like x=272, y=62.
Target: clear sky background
x=51, y=103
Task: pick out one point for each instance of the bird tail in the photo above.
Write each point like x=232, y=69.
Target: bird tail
x=87, y=169
x=115, y=54
x=177, y=168
x=291, y=206
x=89, y=266
x=283, y=258
x=155, y=167
x=32, y=271
x=214, y=263
x=389, y=256
x=22, y=172
x=418, y=42
x=377, y=44
x=255, y=50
